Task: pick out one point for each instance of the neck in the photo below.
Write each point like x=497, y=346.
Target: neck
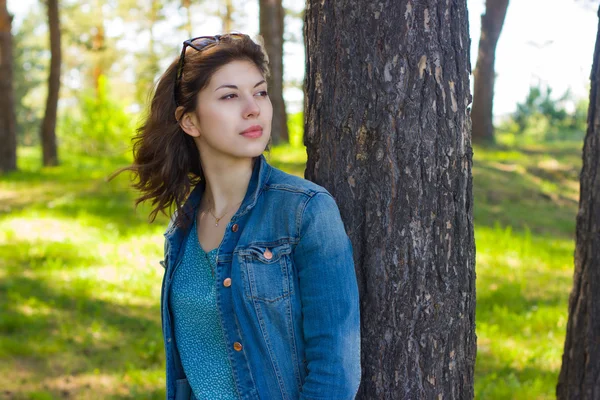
x=226, y=183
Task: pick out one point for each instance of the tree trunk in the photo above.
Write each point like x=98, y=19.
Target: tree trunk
x=148, y=62
x=187, y=4
x=48, y=133
x=271, y=29
x=227, y=16
x=98, y=48
x=580, y=373
x=8, y=124
x=388, y=133
x=485, y=75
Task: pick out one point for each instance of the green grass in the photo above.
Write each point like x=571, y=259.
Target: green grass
x=80, y=279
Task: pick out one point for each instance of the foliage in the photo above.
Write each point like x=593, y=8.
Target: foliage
x=97, y=124
x=296, y=129
x=542, y=117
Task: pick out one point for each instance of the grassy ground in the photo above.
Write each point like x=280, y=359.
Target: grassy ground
x=80, y=279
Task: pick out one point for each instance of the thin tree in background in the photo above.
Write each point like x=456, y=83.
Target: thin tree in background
x=227, y=16
x=580, y=372
x=485, y=75
x=388, y=133
x=48, y=130
x=271, y=29
x=187, y=6
x=8, y=123
x=148, y=61
x=98, y=46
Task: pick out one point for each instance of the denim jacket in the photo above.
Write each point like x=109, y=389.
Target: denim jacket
x=286, y=293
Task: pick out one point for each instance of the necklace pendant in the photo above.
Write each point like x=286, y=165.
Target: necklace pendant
x=217, y=223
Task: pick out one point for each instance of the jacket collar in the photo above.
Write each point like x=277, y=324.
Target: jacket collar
x=261, y=172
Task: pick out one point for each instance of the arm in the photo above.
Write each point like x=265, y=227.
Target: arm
x=330, y=307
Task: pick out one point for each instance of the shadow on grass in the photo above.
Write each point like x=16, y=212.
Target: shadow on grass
x=26, y=255
x=522, y=201
x=97, y=203
x=65, y=331
x=494, y=380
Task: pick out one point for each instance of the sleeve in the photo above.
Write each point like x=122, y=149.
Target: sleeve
x=330, y=303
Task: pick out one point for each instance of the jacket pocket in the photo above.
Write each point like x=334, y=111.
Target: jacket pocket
x=266, y=271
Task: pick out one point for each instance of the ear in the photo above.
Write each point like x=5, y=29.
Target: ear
x=188, y=122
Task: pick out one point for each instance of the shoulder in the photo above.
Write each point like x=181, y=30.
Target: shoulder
x=283, y=182
x=310, y=200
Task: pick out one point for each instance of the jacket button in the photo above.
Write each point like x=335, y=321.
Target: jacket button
x=237, y=346
x=227, y=282
x=268, y=255
x=235, y=227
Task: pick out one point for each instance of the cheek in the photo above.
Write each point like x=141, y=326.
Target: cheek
x=212, y=118
x=269, y=110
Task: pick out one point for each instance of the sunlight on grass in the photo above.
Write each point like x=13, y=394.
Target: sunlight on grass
x=80, y=277
x=523, y=283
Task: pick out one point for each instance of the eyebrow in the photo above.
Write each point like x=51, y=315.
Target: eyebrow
x=235, y=87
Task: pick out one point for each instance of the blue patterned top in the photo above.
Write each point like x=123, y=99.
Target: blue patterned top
x=198, y=331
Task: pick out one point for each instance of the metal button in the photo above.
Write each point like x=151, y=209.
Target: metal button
x=237, y=346
x=235, y=227
x=268, y=255
x=169, y=340
x=227, y=282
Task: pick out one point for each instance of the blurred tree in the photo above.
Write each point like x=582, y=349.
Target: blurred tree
x=98, y=45
x=48, y=129
x=187, y=6
x=580, y=372
x=541, y=117
x=8, y=128
x=99, y=126
x=271, y=18
x=31, y=65
x=485, y=75
x=89, y=51
x=144, y=18
x=227, y=15
x=541, y=103
x=388, y=133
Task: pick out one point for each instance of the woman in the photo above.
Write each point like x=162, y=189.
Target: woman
x=259, y=297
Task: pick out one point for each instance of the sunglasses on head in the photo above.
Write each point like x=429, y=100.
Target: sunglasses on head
x=199, y=43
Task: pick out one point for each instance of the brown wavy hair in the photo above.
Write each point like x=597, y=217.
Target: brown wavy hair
x=166, y=163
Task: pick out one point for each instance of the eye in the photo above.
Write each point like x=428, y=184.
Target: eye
x=263, y=93
x=228, y=96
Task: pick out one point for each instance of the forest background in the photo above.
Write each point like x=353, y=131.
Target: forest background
x=80, y=279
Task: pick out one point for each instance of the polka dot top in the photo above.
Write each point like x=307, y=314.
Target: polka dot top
x=198, y=332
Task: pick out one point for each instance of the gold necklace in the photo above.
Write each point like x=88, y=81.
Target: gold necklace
x=217, y=219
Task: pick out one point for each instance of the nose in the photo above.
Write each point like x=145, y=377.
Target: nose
x=252, y=109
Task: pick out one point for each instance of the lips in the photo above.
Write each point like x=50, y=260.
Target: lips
x=253, y=132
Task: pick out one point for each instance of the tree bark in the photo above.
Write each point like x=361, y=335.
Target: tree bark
x=48, y=131
x=8, y=122
x=271, y=29
x=388, y=133
x=485, y=75
x=580, y=373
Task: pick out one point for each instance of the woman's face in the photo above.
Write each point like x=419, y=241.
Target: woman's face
x=234, y=112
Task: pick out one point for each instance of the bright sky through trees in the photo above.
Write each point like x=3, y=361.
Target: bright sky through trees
x=543, y=41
